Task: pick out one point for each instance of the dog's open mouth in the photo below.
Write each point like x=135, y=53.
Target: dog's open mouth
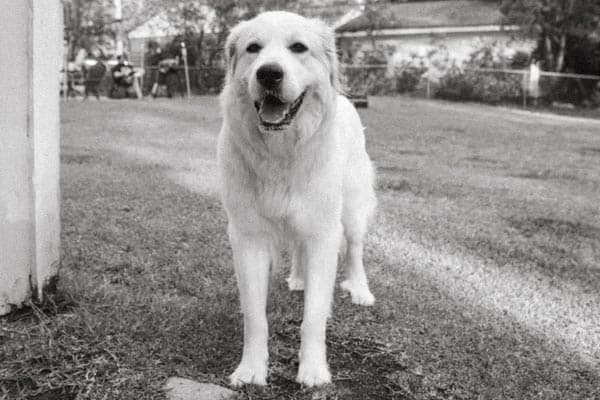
x=274, y=113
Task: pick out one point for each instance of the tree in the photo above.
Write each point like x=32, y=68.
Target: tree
x=195, y=19
x=556, y=24
x=90, y=23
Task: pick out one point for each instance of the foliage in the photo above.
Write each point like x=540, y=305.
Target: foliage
x=88, y=24
x=371, y=79
x=520, y=60
x=205, y=25
x=489, y=87
x=409, y=74
x=567, y=41
x=454, y=85
x=555, y=23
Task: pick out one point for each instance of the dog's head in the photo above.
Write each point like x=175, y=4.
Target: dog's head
x=283, y=69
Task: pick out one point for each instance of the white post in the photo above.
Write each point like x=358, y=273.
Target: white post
x=143, y=66
x=185, y=66
x=29, y=149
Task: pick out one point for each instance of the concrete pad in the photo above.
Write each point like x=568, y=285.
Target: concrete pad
x=186, y=389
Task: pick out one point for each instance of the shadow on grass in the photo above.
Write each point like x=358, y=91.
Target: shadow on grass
x=149, y=292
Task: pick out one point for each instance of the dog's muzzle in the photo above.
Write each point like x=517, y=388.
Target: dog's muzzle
x=274, y=113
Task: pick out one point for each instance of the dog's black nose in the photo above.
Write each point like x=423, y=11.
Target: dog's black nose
x=270, y=75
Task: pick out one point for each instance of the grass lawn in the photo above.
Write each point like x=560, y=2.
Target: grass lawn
x=484, y=258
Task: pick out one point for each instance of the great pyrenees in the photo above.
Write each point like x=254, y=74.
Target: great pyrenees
x=293, y=172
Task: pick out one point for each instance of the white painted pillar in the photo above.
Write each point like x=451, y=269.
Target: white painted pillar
x=31, y=40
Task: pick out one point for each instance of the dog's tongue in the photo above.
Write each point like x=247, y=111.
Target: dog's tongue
x=272, y=109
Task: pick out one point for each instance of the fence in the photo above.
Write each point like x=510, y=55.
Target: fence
x=492, y=85
x=202, y=81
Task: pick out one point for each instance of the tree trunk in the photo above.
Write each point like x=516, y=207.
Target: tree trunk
x=199, y=48
x=560, y=58
x=549, y=54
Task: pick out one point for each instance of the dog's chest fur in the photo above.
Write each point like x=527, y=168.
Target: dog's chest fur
x=289, y=188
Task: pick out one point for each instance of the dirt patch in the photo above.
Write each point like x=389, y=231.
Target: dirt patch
x=482, y=160
x=542, y=175
x=363, y=368
x=545, y=174
x=500, y=253
x=393, y=169
x=397, y=185
x=590, y=151
x=555, y=227
x=555, y=247
x=363, y=365
x=16, y=387
x=76, y=158
x=53, y=304
x=62, y=393
x=410, y=152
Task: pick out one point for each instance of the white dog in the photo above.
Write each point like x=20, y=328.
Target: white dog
x=293, y=170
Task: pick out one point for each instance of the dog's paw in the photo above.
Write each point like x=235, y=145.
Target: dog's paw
x=295, y=284
x=247, y=373
x=360, y=293
x=313, y=374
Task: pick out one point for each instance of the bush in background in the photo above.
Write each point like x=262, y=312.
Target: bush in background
x=408, y=74
x=466, y=84
x=448, y=80
x=454, y=85
x=372, y=79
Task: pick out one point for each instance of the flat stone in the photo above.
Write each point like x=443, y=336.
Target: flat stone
x=186, y=389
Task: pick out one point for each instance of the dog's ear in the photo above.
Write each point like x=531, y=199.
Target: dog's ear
x=231, y=51
x=328, y=38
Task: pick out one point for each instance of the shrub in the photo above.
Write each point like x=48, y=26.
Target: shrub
x=367, y=80
x=409, y=74
x=520, y=60
x=454, y=85
x=489, y=87
x=494, y=88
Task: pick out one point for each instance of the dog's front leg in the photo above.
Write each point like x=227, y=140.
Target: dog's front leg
x=321, y=253
x=251, y=258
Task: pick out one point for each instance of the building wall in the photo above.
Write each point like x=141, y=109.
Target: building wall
x=459, y=45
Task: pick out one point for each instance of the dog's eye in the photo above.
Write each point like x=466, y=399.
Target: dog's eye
x=253, y=48
x=298, y=47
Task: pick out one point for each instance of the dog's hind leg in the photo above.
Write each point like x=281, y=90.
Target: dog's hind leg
x=296, y=279
x=355, y=220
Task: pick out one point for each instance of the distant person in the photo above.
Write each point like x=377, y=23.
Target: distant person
x=167, y=77
x=125, y=79
x=93, y=78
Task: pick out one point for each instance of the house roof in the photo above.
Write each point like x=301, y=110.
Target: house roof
x=161, y=25
x=434, y=14
x=157, y=26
